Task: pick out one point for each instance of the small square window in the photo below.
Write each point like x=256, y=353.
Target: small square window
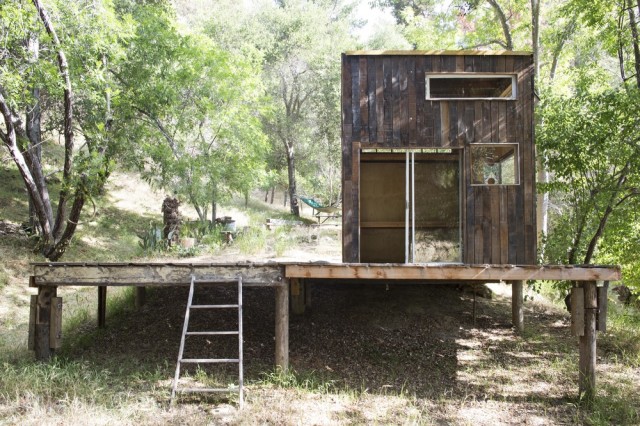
x=494, y=164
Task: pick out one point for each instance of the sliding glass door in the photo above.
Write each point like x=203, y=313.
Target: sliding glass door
x=410, y=206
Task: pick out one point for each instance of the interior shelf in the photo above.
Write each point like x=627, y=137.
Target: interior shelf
x=395, y=224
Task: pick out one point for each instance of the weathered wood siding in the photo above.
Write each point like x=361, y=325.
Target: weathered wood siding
x=384, y=106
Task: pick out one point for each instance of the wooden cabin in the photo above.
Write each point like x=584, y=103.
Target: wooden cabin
x=438, y=157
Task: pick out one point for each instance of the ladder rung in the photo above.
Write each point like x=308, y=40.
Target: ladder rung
x=208, y=360
x=210, y=333
x=213, y=306
x=225, y=390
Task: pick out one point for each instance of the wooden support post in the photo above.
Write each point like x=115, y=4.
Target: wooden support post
x=473, y=287
x=307, y=294
x=33, y=312
x=297, y=295
x=141, y=297
x=517, y=312
x=102, y=306
x=55, y=329
x=282, y=327
x=587, y=378
x=42, y=344
x=603, y=307
x=577, y=311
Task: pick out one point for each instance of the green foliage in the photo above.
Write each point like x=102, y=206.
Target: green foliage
x=252, y=240
x=181, y=251
x=622, y=340
x=298, y=43
x=193, y=109
x=468, y=25
x=308, y=381
x=54, y=381
x=284, y=240
x=590, y=144
x=151, y=239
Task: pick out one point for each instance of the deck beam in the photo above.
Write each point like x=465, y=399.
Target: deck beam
x=151, y=274
x=417, y=272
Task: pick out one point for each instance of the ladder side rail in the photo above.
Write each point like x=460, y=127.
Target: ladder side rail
x=185, y=327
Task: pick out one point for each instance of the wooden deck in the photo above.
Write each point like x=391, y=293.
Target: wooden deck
x=276, y=273
x=289, y=280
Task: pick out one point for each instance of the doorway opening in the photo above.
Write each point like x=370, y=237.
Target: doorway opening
x=410, y=206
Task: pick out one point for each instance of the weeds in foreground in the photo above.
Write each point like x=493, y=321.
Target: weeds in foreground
x=59, y=379
x=283, y=240
x=4, y=277
x=252, y=240
x=622, y=340
x=613, y=406
x=306, y=381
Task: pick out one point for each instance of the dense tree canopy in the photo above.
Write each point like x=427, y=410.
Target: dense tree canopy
x=194, y=109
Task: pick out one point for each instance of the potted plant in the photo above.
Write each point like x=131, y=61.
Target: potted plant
x=188, y=239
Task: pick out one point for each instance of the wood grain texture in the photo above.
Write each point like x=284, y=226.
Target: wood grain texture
x=587, y=342
x=371, y=101
x=517, y=311
x=364, y=100
x=355, y=98
x=156, y=274
x=55, y=328
x=380, y=103
x=412, y=103
x=577, y=311
x=437, y=272
x=282, y=328
x=385, y=106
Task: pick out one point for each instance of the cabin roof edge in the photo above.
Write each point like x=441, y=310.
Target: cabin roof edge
x=437, y=53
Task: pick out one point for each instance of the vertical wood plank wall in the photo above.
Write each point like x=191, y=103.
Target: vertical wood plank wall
x=384, y=106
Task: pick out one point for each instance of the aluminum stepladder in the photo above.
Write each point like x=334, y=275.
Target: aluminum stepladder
x=186, y=332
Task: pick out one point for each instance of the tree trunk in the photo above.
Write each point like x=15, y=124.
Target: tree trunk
x=582, y=223
x=557, y=49
x=535, y=35
x=273, y=191
x=35, y=139
x=63, y=66
x=55, y=235
x=10, y=139
x=543, y=176
x=34, y=114
x=506, y=31
x=607, y=213
x=201, y=215
x=291, y=168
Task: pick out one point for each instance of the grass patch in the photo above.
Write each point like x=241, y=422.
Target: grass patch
x=622, y=340
x=284, y=240
x=307, y=381
x=252, y=240
x=80, y=320
x=613, y=406
x=4, y=277
x=13, y=196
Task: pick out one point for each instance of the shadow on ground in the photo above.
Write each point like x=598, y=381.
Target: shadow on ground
x=396, y=339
